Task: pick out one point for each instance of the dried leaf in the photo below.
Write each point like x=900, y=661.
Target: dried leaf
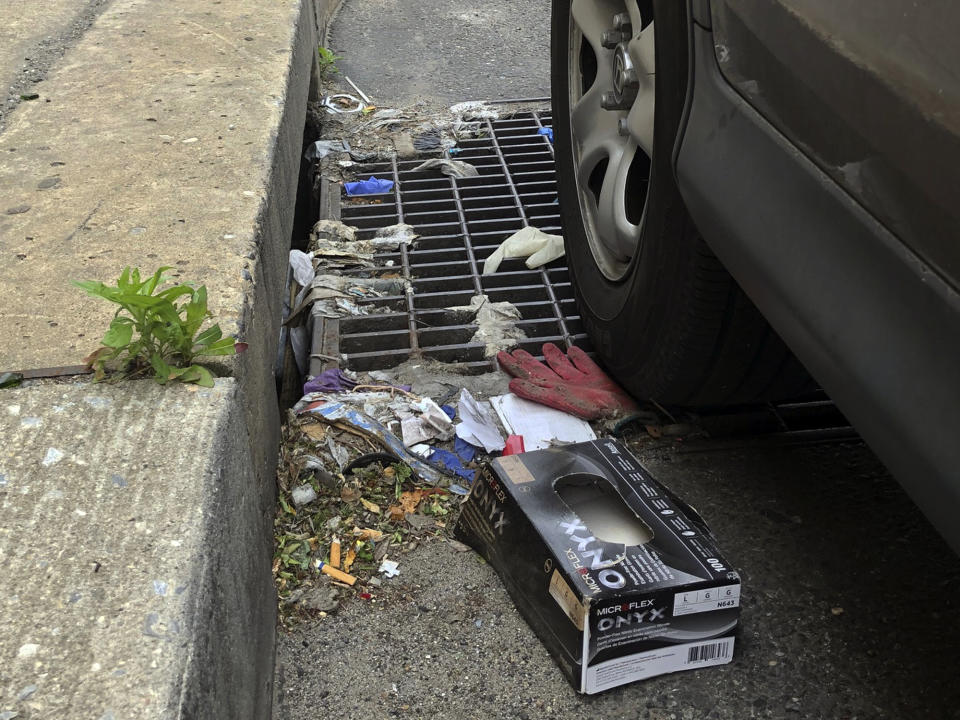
x=410, y=499
x=349, y=558
x=349, y=494
x=372, y=507
x=654, y=431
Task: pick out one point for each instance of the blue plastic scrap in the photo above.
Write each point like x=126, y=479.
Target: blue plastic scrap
x=370, y=186
x=451, y=413
x=548, y=131
x=446, y=459
x=465, y=450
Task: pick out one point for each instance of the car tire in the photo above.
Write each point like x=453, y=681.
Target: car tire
x=669, y=321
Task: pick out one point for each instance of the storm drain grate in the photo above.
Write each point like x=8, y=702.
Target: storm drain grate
x=461, y=222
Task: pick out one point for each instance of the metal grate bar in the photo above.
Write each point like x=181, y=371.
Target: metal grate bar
x=540, y=125
x=405, y=261
x=567, y=341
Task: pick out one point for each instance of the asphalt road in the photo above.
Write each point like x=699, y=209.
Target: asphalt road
x=849, y=611
x=401, y=51
x=850, y=605
x=33, y=36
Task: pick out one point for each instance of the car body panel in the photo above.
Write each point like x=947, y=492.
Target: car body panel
x=874, y=323
x=870, y=91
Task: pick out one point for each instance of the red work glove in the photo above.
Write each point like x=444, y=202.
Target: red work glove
x=575, y=384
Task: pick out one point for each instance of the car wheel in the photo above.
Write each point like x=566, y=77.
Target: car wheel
x=665, y=316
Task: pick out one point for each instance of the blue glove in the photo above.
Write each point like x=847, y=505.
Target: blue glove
x=548, y=131
x=372, y=186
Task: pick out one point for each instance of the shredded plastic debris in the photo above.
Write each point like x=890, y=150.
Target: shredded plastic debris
x=474, y=110
x=452, y=168
x=321, y=148
x=342, y=414
x=336, y=295
x=393, y=236
x=332, y=231
x=496, y=324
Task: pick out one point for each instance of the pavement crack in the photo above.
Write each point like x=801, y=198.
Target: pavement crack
x=83, y=223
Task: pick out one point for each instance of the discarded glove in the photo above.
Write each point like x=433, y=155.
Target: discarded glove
x=573, y=383
x=537, y=246
x=371, y=186
x=548, y=131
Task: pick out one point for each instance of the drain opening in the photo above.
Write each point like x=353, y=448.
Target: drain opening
x=460, y=222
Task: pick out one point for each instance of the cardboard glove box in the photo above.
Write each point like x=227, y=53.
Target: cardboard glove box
x=619, y=578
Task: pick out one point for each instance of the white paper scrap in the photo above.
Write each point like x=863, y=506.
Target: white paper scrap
x=433, y=423
x=422, y=450
x=390, y=568
x=538, y=424
x=479, y=426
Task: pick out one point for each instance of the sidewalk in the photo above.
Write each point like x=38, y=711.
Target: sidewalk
x=137, y=542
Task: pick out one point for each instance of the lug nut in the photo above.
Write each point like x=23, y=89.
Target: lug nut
x=621, y=21
x=610, y=38
x=610, y=101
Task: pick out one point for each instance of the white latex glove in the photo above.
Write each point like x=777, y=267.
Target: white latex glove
x=537, y=246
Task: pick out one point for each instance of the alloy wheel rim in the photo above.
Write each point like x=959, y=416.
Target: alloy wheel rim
x=611, y=72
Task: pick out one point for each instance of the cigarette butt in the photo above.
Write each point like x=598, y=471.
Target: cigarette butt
x=367, y=534
x=335, y=553
x=337, y=574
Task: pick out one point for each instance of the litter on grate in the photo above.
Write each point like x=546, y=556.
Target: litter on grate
x=461, y=221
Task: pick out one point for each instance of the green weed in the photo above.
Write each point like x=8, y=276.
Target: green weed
x=157, y=331
x=328, y=61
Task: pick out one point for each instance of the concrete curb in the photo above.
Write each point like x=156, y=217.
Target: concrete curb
x=180, y=622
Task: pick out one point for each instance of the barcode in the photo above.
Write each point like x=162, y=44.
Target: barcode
x=702, y=653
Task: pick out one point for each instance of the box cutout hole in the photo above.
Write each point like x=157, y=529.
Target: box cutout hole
x=602, y=510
